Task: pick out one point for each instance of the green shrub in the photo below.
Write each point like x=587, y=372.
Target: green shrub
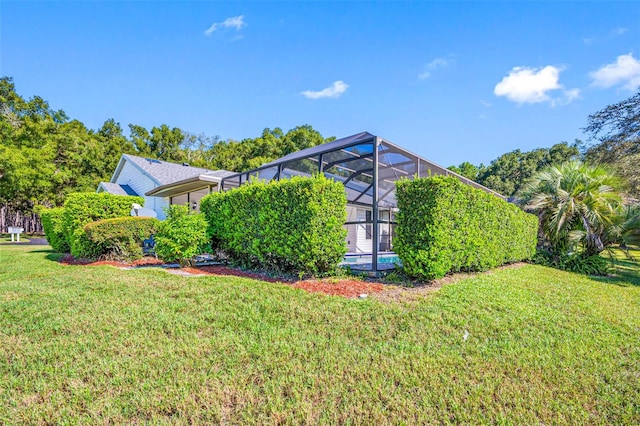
x=122, y=237
x=81, y=208
x=576, y=262
x=293, y=225
x=53, y=225
x=446, y=226
x=181, y=236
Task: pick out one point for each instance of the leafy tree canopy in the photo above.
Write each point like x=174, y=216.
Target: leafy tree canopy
x=507, y=173
x=616, y=130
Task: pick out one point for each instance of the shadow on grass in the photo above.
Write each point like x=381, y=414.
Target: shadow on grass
x=52, y=256
x=626, y=271
x=622, y=280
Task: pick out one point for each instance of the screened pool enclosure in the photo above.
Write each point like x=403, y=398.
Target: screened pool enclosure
x=369, y=167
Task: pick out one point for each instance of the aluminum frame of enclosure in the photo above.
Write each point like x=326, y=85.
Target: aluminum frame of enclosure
x=367, y=165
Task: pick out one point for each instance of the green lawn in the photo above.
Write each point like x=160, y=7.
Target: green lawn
x=99, y=345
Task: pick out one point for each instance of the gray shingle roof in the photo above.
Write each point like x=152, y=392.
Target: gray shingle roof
x=165, y=172
x=117, y=189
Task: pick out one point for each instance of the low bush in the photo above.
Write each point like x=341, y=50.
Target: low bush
x=122, y=237
x=53, y=226
x=81, y=208
x=181, y=236
x=446, y=226
x=293, y=225
x=576, y=262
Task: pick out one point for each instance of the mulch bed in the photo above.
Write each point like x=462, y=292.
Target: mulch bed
x=340, y=287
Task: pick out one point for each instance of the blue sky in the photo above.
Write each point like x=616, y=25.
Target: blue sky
x=451, y=81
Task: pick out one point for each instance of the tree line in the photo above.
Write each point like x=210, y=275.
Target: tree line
x=45, y=155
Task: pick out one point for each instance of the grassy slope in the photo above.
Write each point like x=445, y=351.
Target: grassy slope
x=81, y=344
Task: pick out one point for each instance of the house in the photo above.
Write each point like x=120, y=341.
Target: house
x=162, y=183
x=367, y=165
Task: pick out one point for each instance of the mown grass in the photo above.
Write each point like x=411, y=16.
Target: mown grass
x=98, y=345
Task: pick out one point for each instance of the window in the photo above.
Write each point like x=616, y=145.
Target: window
x=369, y=226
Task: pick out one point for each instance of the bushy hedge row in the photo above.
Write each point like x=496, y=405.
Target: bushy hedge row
x=120, y=238
x=81, y=208
x=53, y=226
x=447, y=226
x=294, y=225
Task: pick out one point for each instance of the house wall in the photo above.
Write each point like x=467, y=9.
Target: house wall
x=139, y=182
x=357, y=241
x=187, y=199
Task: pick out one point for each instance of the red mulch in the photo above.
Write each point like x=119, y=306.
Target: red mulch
x=346, y=288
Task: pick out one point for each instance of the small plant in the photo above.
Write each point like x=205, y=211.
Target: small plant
x=575, y=262
x=181, y=236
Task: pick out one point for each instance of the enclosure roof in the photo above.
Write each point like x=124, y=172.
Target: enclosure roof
x=319, y=149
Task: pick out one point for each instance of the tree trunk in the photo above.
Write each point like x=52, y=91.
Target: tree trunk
x=29, y=221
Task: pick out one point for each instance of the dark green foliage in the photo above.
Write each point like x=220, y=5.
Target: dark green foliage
x=294, y=225
x=447, y=226
x=85, y=207
x=616, y=129
x=181, y=236
x=120, y=238
x=53, y=225
x=507, y=173
x=272, y=144
x=577, y=262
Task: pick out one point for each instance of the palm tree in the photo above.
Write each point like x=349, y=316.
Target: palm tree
x=578, y=206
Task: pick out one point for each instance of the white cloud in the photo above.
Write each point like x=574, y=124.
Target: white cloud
x=620, y=31
x=624, y=72
x=235, y=22
x=432, y=66
x=526, y=85
x=333, y=91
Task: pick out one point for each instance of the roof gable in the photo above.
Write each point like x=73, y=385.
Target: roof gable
x=164, y=172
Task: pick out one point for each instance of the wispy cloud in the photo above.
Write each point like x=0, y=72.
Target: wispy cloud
x=624, y=72
x=620, y=31
x=525, y=85
x=235, y=22
x=434, y=65
x=614, y=33
x=333, y=91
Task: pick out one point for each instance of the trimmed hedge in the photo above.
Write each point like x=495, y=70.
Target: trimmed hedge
x=122, y=237
x=53, y=226
x=446, y=226
x=85, y=207
x=181, y=236
x=292, y=225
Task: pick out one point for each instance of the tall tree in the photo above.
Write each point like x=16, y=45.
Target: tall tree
x=161, y=142
x=616, y=129
x=507, y=173
x=468, y=170
x=271, y=145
